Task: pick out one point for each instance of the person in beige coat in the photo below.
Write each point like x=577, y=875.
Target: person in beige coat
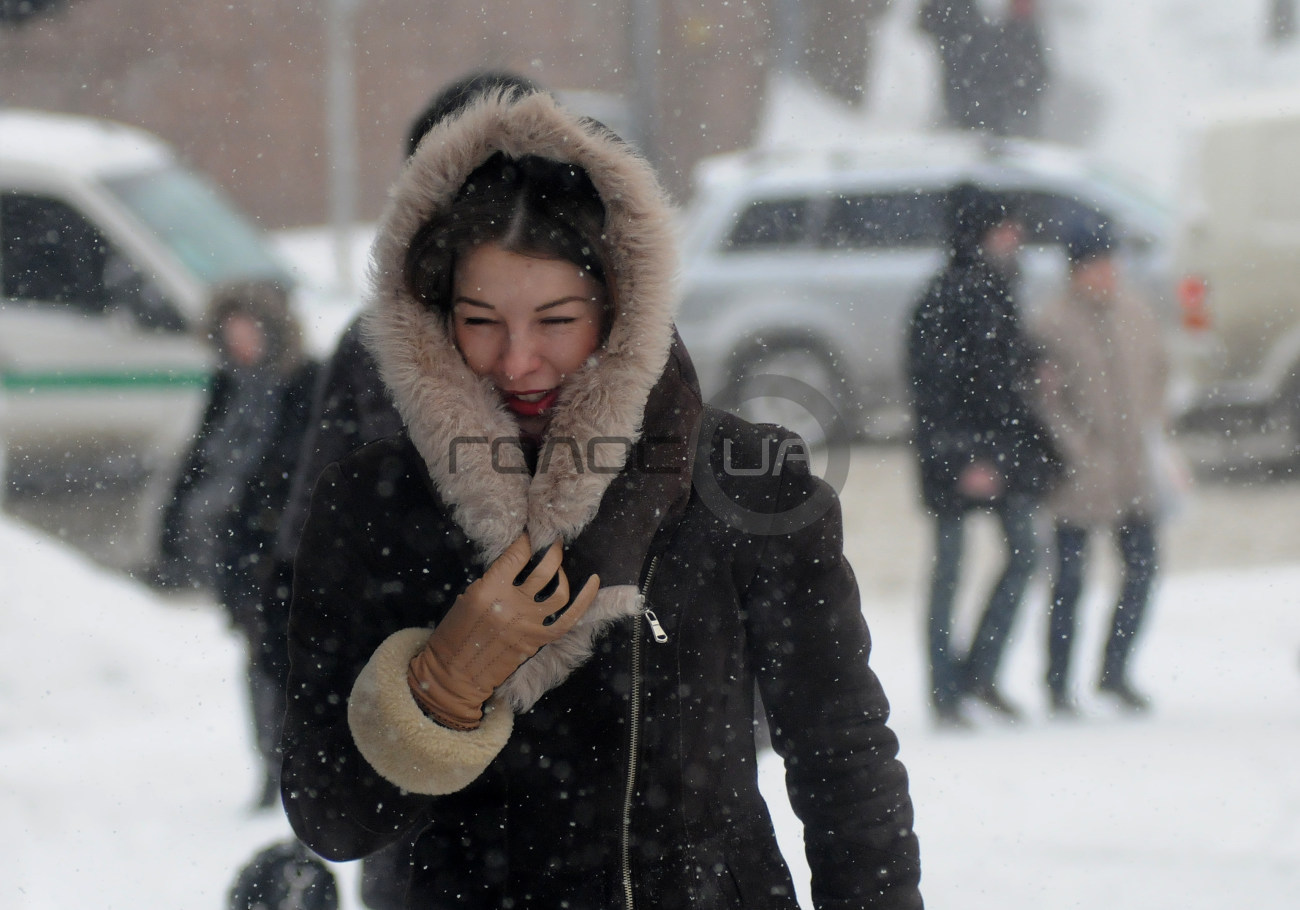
x=1103, y=389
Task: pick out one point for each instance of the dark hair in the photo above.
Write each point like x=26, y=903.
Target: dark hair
x=532, y=206
x=458, y=94
x=973, y=211
x=1092, y=238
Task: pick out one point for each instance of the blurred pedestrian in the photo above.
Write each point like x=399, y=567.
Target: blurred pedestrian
x=1103, y=392
x=1021, y=76
x=993, y=67
x=554, y=750
x=221, y=520
x=965, y=41
x=978, y=443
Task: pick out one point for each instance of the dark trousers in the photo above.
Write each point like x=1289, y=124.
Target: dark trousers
x=266, y=700
x=950, y=673
x=1136, y=539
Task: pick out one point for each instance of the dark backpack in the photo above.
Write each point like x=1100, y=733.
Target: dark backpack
x=285, y=876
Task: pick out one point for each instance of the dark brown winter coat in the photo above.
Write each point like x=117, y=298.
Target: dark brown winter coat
x=614, y=768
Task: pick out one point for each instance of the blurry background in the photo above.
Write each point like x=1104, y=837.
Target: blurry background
x=247, y=91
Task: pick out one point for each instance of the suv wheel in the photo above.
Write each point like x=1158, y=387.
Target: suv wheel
x=761, y=391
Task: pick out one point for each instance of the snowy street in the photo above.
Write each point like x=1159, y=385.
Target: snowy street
x=128, y=772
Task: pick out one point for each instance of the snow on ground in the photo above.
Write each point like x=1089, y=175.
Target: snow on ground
x=127, y=772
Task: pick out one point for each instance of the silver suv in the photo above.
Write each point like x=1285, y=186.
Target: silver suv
x=805, y=265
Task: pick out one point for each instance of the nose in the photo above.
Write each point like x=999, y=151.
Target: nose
x=521, y=356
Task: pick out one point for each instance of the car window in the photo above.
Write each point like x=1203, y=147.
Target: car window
x=768, y=223
x=883, y=220
x=199, y=224
x=1150, y=208
x=50, y=253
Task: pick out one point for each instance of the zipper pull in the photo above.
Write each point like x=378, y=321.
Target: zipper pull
x=643, y=603
x=660, y=635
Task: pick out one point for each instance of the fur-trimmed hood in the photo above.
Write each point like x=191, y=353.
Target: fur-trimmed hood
x=442, y=403
x=596, y=487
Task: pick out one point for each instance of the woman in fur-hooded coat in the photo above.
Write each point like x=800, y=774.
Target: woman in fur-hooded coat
x=617, y=767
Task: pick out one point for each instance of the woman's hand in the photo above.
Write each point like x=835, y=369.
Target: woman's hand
x=500, y=621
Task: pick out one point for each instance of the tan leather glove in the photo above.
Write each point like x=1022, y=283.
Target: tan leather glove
x=491, y=630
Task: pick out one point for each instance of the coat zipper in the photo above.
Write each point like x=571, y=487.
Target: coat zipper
x=634, y=727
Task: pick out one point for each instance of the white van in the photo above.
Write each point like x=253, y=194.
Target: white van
x=109, y=249
x=1239, y=250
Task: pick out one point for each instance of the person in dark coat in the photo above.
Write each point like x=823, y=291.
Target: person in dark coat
x=994, y=68
x=220, y=522
x=575, y=732
x=976, y=438
x=966, y=42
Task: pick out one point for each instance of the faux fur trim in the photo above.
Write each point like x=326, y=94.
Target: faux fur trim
x=404, y=746
x=552, y=665
x=438, y=397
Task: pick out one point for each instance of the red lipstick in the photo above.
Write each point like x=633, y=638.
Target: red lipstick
x=530, y=408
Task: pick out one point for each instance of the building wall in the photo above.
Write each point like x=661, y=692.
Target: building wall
x=240, y=88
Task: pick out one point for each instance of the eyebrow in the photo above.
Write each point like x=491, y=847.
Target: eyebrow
x=545, y=306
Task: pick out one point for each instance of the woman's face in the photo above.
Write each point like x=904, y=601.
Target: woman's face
x=527, y=324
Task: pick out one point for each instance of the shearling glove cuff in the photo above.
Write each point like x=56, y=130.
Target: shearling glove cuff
x=404, y=746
